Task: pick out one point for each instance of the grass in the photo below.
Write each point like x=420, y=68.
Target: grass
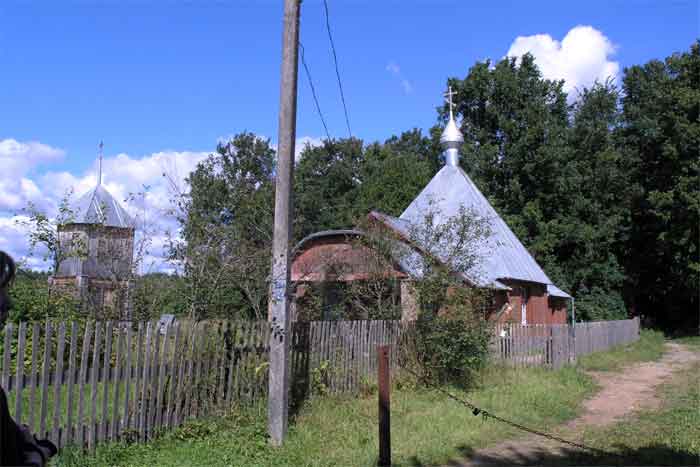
x=649, y=347
x=427, y=428
x=669, y=435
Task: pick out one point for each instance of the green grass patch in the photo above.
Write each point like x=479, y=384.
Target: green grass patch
x=649, y=347
x=427, y=427
x=667, y=436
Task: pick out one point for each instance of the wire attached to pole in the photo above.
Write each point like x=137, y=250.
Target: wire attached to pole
x=313, y=91
x=337, y=71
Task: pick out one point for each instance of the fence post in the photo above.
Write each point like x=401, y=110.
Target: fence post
x=572, y=343
x=384, y=409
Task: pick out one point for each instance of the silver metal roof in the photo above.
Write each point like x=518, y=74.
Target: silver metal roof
x=413, y=262
x=555, y=291
x=98, y=206
x=504, y=257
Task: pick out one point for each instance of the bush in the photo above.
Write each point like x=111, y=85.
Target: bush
x=31, y=300
x=449, y=349
x=600, y=305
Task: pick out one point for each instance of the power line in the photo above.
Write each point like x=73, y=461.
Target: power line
x=313, y=91
x=337, y=72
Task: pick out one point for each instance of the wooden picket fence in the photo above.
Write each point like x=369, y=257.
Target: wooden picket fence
x=598, y=336
x=554, y=345
x=342, y=355
x=102, y=381
x=86, y=383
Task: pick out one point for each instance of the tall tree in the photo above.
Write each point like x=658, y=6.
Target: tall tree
x=227, y=230
x=340, y=182
x=515, y=124
x=592, y=222
x=395, y=172
x=661, y=136
x=326, y=182
x=553, y=172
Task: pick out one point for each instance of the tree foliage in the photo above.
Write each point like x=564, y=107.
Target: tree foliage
x=661, y=137
x=227, y=231
x=602, y=192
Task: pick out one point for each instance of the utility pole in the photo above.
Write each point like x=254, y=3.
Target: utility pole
x=280, y=335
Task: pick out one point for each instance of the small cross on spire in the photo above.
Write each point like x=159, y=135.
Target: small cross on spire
x=99, y=167
x=448, y=98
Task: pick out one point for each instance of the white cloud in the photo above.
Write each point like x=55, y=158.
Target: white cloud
x=122, y=175
x=581, y=58
x=395, y=70
x=17, y=161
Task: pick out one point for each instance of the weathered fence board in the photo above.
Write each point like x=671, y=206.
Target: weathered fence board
x=61, y=342
x=71, y=369
x=556, y=345
x=20, y=369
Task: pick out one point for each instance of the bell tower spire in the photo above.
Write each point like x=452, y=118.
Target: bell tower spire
x=99, y=165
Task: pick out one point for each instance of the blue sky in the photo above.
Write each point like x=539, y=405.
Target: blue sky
x=154, y=75
x=165, y=76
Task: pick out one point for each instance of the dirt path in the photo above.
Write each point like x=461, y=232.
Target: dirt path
x=621, y=393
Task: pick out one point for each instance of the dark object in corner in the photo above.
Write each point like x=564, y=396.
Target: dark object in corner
x=7, y=274
x=18, y=446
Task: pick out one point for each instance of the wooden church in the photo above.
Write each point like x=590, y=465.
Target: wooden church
x=521, y=290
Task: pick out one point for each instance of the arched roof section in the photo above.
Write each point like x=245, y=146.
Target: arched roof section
x=332, y=255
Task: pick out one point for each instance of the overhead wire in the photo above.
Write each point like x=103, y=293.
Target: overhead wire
x=337, y=71
x=313, y=91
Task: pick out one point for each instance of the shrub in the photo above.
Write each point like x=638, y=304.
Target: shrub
x=450, y=349
x=598, y=304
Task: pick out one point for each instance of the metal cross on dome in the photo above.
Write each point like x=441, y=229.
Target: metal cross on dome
x=448, y=98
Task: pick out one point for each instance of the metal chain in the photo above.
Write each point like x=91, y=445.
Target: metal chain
x=486, y=414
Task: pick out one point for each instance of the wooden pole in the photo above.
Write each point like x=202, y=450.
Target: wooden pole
x=384, y=409
x=277, y=408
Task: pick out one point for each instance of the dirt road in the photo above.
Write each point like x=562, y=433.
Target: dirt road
x=621, y=393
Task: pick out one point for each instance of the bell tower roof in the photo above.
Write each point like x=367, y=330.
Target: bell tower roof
x=98, y=206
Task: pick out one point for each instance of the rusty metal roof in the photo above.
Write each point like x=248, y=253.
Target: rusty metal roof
x=325, y=234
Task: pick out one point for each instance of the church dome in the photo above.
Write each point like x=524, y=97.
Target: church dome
x=451, y=136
